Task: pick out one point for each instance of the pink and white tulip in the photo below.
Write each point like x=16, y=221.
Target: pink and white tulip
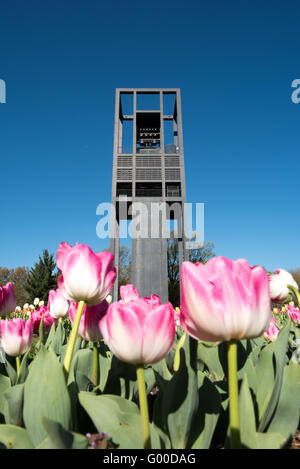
x=278, y=285
x=7, y=299
x=90, y=319
x=37, y=315
x=224, y=299
x=58, y=305
x=16, y=336
x=86, y=276
x=138, y=330
x=272, y=332
x=294, y=314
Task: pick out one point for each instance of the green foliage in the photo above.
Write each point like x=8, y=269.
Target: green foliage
x=15, y=401
x=115, y=415
x=188, y=407
x=60, y=438
x=41, y=278
x=189, y=404
x=45, y=395
x=13, y=437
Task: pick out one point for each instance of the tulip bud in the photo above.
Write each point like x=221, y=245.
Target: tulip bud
x=278, y=283
x=41, y=303
x=86, y=276
x=36, y=301
x=16, y=336
x=26, y=306
x=7, y=299
x=18, y=309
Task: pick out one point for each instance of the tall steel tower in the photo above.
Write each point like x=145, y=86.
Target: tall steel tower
x=148, y=168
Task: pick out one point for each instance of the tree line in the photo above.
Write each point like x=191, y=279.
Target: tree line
x=42, y=277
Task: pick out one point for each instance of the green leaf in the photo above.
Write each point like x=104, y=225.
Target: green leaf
x=269, y=440
x=45, y=395
x=24, y=368
x=251, y=372
x=115, y=415
x=207, y=415
x=210, y=357
x=81, y=369
x=162, y=370
x=247, y=417
x=286, y=417
x=257, y=345
x=60, y=438
x=63, y=350
x=59, y=338
x=42, y=331
x=84, y=362
x=15, y=400
x=11, y=372
x=159, y=439
x=149, y=381
x=280, y=349
x=15, y=437
x=180, y=401
x=104, y=365
x=162, y=378
x=4, y=386
x=121, y=379
x=51, y=335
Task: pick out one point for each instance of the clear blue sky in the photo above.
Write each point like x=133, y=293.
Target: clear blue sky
x=234, y=62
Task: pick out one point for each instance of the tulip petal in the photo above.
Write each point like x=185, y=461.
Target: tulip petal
x=63, y=250
x=158, y=333
x=122, y=332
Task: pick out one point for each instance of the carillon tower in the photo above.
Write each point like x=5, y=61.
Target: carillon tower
x=148, y=181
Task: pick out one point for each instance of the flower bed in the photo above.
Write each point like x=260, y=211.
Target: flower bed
x=221, y=371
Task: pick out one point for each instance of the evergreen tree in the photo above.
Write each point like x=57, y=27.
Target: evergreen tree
x=41, y=278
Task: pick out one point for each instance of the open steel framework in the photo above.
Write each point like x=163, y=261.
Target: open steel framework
x=148, y=167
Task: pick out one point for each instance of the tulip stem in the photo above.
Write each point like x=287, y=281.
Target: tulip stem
x=234, y=420
x=180, y=344
x=18, y=364
x=95, y=364
x=73, y=337
x=143, y=406
x=296, y=293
